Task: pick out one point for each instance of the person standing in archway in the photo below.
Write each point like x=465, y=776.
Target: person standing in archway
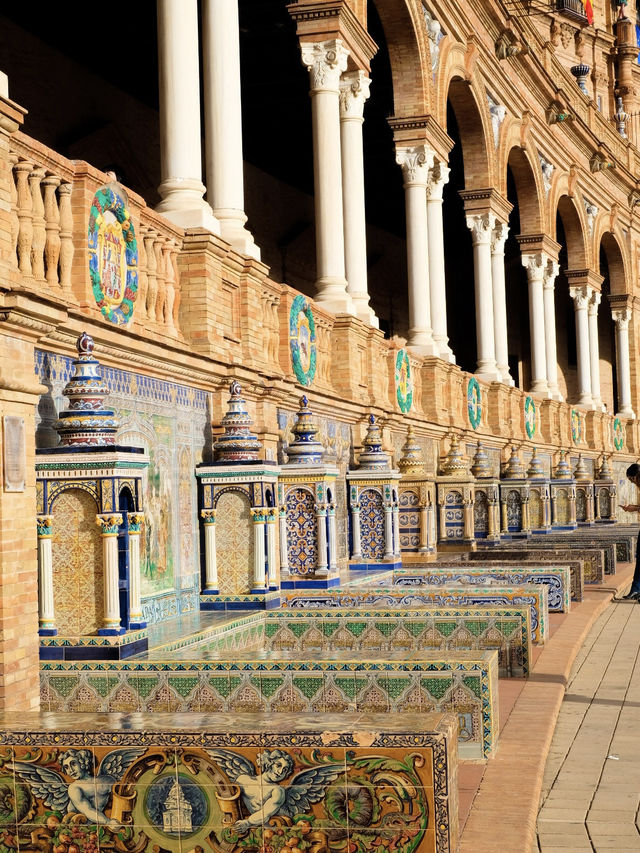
x=633, y=475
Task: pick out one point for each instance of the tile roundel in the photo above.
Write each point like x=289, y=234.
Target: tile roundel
x=234, y=543
x=302, y=540
x=77, y=564
x=371, y=524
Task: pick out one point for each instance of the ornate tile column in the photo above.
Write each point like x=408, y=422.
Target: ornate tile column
x=135, y=520
x=45, y=576
x=109, y=525
x=211, y=560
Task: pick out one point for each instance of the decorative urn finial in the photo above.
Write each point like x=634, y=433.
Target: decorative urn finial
x=412, y=459
x=581, y=472
x=373, y=457
x=455, y=463
x=514, y=469
x=535, y=471
x=481, y=464
x=238, y=443
x=85, y=422
x=305, y=449
x=604, y=472
x=563, y=470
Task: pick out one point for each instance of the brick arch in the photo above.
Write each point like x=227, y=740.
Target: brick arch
x=409, y=55
x=616, y=261
x=528, y=188
x=575, y=230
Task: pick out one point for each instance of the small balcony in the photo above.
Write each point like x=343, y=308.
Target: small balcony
x=571, y=9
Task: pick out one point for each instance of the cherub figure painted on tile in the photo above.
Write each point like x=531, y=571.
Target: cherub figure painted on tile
x=262, y=795
x=89, y=792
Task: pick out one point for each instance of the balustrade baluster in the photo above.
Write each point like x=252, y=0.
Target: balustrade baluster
x=66, y=235
x=39, y=237
x=141, y=301
x=160, y=274
x=176, y=286
x=152, y=281
x=15, y=222
x=25, y=216
x=169, y=291
x=52, y=226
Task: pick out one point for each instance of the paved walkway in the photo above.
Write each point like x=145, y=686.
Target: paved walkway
x=591, y=786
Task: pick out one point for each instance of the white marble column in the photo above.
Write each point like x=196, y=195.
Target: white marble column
x=284, y=554
x=396, y=530
x=272, y=520
x=325, y=62
x=621, y=317
x=321, y=526
x=416, y=163
x=388, y=532
x=223, y=122
x=333, y=538
x=109, y=525
x=438, y=177
x=500, y=331
x=354, y=91
x=356, y=553
x=258, y=516
x=535, y=266
x=135, y=520
x=580, y=296
x=47, y=624
x=594, y=347
x=210, y=557
x=551, y=271
x=481, y=227
x=181, y=186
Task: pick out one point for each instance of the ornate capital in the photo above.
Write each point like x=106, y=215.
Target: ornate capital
x=594, y=301
x=621, y=317
x=325, y=61
x=354, y=91
x=481, y=226
x=415, y=164
x=580, y=296
x=208, y=516
x=438, y=177
x=259, y=514
x=136, y=520
x=109, y=523
x=551, y=271
x=282, y=511
x=320, y=509
x=355, y=507
x=535, y=265
x=272, y=514
x=45, y=526
x=499, y=237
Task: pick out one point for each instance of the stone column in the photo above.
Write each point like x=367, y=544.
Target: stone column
x=333, y=538
x=621, y=317
x=589, y=501
x=109, y=525
x=505, y=517
x=594, y=347
x=388, y=532
x=526, y=521
x=354, y=91
x=356, y=553
x=397, y=551
x=210, y=557
x=535, y=266
x=258, y=516
x=468, y=532
x=321, y=526
x=415, y=163
x=424, y=528
x=181, y=188
x=551, y=271
x=572, y=505
x=135, y=599
x=284, y=554
x=271, y=548
x=442, y=517
x=481, y=227
x=223, y=122
x=580, y=296
x=498, y=239
x=325, y=62
x=438, y=177
x=45, y=576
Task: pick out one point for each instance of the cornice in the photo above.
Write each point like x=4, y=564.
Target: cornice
x=320, y=21
x=418, y=130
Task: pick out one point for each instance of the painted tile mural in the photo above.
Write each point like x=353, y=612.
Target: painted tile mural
x=171, y=422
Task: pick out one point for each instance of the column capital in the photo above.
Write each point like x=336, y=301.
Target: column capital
x=438, y=177
x=109, y=523
x=259, y=514
x=594, y=301
x=45, y=526
x=415, y=164
x=481, y=226
x=325, y=61
x=580, y=295
x=136, y=520
x=535, y=265
x=354, y=91
x=551, y=271
x=499, y=237
x=208, y=516
x=621, y=317
x=320, y=509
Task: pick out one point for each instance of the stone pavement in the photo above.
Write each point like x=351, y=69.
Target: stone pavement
x=591, y=786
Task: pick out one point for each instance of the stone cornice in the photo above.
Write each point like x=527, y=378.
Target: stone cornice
x=11, y=115
x=584, y=278
x=418, y=130
x=486, y=200
x=322, y=21
x=539, y=243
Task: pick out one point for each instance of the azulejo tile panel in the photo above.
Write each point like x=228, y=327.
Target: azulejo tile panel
x=371, y=524
x=234, y=543
x=248, y=786
x=302, y=538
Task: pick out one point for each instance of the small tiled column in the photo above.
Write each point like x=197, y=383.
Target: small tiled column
x=356, y=544
x=505, y=517
x=45, y=576
x=322, y=567
x=396, y=529
x=272, y=520
x=109, y=525
x=259, y=517
x=468, y=532
x=333, y=538
x=135, y=601
x=211, y=561
x=442, y=517
x=494, y=515
x=284, y=555
x=526, y=522
x=572, y=505
x=388, y=531
x=590, y=505
x=424, y=528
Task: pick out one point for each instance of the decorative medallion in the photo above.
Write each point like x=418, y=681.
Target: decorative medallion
x=302, y=340
x=474, y=402
x=576, y=426
x=113, y=256
x=404, y=384
x=618, y=434
x=530, y=417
